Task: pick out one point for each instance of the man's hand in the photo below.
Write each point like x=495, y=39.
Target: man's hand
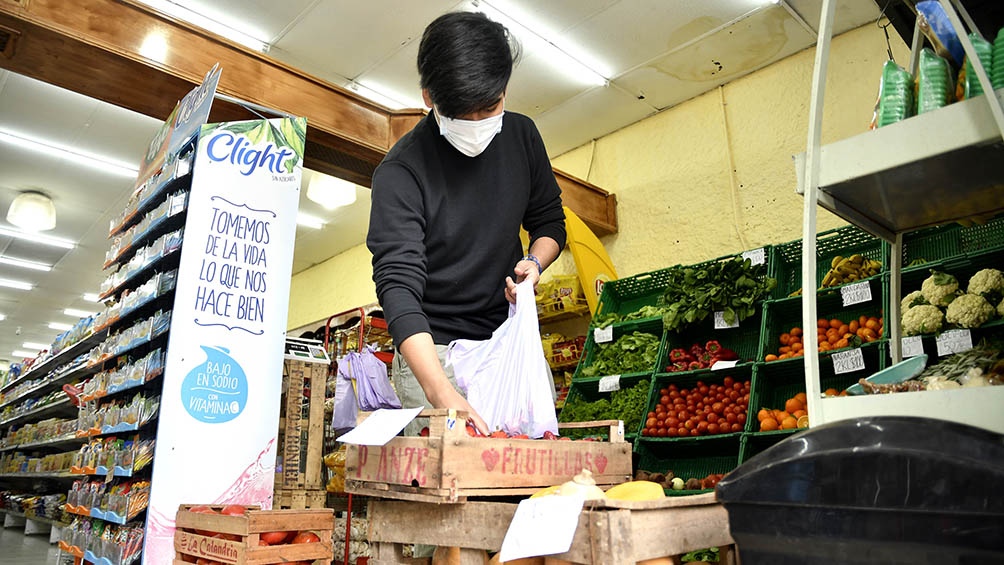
x=524, y=269
x=448, y=397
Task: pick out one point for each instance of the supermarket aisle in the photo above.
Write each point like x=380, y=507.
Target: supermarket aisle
x=17, y=548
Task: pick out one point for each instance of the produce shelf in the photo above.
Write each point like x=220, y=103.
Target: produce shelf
x=69, y=353
x=926, y=170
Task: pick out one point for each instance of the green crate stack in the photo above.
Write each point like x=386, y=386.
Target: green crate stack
x=588, y=390
x=629, y=294
x=984, y=238
x=930, y=246
x=693, y=459
x=744, y=340
x=783, y=315
x=689, y=380
x=592, y=349
x=755, y=444
x=786, y=259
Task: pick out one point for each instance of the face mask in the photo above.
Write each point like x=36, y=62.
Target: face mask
x=470, y=137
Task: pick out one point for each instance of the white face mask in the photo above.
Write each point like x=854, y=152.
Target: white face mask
x=470, y=137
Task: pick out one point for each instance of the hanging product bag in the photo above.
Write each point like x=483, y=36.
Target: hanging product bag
x=346, y=406
x=372, y=385
x=506, y=378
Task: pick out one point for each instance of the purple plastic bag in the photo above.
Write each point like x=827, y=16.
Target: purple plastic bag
x=346, y=407
x=372, y=385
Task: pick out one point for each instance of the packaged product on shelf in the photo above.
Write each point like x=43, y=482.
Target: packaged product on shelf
x=935, y=25
x=934, y=82
x=971, y=82
x=997, y=70
x=895, y=100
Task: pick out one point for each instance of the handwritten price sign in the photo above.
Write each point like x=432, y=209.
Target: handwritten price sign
x=856, y=293
x=848, y=361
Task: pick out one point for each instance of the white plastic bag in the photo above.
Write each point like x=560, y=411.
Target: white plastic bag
x=506, y=378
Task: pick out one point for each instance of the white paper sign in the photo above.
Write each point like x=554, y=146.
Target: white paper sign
x=719, y=365
x=541, y=526
x=856, y=293
x=610, y=383
x=380, y=427
x=912, y=346
x=848, y=361
x=603, y=335
x=756, y=256
x=219, y=411
x=954, y=341
x=721, y=324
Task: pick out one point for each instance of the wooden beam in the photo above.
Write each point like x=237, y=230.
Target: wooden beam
x=96, y=48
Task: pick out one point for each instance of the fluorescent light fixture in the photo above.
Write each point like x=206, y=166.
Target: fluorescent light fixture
x=60, y=327
x=308, y=221
x=23, y=263
x=33, y=345
x=96, y=162
x=207, y=23
x=330, y=192
x=91, y=297
x=77, y=313
x=24, y=354
x=385, y=96
x=569, y=59
x=19, y=285
x=154, y=47
x=3, y=317
x=38, y=238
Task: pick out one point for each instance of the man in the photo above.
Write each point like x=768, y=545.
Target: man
x=447, y=205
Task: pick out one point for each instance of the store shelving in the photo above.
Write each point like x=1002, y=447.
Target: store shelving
x=39, y=475
x=926, y=170
x=61, y=441
x=64, y=356
x=51, y=408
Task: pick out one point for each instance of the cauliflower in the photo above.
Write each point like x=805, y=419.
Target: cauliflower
x=969, y=311
x=988, y=283
x=923, y=319
x=915, y=298
x=939, y=288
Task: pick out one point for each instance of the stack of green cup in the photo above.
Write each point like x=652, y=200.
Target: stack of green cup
x=895, y=94
x=934, y=82
x=997, y=70
x=984, y=50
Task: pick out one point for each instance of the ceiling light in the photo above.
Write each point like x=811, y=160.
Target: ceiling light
x=568, y=59
x=91, y=297
x=32, y=211
x=77, y=313
x=308, y=221
x=3, y=317
x=38, y=238
x=19, y=285
x=208, y=24
x=70, y=154
x=384, y=96
x=330, y=192
x=60, y=327
x=24, y=263
x=154, y=47
x=33, y=345
x=24, y=354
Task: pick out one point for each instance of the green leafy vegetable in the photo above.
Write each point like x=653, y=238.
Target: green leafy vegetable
x=709, y=555
x=626, y=404
x=732, y=287
x=635, y=352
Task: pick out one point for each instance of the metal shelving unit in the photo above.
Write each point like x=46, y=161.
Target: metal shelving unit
x=927, y=170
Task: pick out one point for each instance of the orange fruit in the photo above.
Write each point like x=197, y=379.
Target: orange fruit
x=789, y=423
x=803, y=422
x=844, y=328
x=822, y=323
x=862, y=320
x=796, y=347
x=792, y=405
x=796, y=331
x=801, y=396
x=835, y=323
x=768, y=425
x=853, y=326
x=785, y=339
x=799, y=413
x=831, y=392
x=770, y=357
x=763, y=414
x=780, y=415
x=872, y=324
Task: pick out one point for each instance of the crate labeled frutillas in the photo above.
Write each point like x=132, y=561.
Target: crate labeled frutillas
x=242, y=535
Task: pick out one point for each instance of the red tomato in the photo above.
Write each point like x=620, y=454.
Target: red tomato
x=275, y=538
x=202, y=509
x=306, y=537
x=204, y=561
x=228, y=537
x=233, y=510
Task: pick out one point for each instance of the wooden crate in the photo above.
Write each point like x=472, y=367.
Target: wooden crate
x=301, y=427
x=299, y=498
x=243, y=548
x=449, y=465
x=609, y=532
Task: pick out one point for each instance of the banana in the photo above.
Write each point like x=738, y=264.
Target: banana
x=856, y=259
x=836, y=261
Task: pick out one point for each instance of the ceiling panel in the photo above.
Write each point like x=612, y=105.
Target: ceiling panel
x=56, y=120
x=261, y=19
x=849, y=14
x=768, y=35
x=537, y=86
x=608, y=109
x=398, y=75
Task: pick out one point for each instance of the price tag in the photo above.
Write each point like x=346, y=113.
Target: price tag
x=720, y=323
x=848, y=361
x=603, y=335
x=620, y=428
x=954, y=341
x=610, y=383
x=719, y=365
x=756, y=256
x=856, y=293
x=541, y=526
x=911, y=346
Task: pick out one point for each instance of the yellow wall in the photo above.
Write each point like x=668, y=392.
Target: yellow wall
x=676, y=199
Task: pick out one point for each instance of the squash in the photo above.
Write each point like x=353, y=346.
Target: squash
x=546, y=491
x=636, y=490
x=582, y=484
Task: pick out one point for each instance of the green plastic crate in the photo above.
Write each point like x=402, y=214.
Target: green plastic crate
x=653, y=327
x=962, y=268
x=786, y=258
x=626, y=295
x=931, y=245
x=589, y=391
x=983, y=238
x=780, y=316
x=744, y=340
x=690, y=379
x=695, y=458
x=754, y=444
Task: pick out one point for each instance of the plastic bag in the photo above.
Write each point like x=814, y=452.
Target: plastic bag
x=346, y=407
x=895, y=100
x=506, y=378
x=936, y=26
x=984, y=50
x=934, y=82
x=373, y=388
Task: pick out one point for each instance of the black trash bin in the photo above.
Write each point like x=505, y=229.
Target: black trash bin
x=874, y=490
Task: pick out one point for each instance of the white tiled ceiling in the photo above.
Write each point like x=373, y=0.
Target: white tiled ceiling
x=655, y=53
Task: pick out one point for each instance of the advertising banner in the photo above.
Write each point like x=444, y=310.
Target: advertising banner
x=219, y=412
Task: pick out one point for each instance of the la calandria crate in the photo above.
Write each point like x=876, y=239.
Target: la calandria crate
x=226, y=534
x=449, y=464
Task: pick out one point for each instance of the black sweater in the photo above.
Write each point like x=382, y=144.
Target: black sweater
x=444, y=227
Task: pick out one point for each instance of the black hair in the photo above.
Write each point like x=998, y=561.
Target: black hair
x=465, y=61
